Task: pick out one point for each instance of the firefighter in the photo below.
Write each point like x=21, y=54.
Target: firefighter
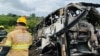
x=19, y=39
x=3, y=32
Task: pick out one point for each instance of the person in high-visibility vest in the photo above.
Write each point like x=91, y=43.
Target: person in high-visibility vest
x=19, y=39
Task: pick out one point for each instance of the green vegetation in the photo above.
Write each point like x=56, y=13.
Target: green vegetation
x=9, y=21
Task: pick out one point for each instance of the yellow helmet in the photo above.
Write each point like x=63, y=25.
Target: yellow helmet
x=22, y=19
x=1, y=26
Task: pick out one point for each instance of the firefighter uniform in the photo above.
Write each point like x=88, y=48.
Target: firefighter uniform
x=19, y=40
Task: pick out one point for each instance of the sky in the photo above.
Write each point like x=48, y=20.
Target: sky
x=39, y=7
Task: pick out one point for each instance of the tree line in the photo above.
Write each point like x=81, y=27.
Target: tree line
x=9, y=21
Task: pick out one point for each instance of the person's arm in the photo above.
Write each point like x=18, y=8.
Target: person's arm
x=31, y=40
x=8, y=41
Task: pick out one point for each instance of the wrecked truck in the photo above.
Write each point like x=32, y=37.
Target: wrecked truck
x=69, y=31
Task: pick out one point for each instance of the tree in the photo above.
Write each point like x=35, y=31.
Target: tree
x=32, y=15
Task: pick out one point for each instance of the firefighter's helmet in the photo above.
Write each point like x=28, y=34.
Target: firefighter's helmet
x=22, y=19
x=1, y=26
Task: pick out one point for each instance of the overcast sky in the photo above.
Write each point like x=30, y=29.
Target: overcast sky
x=39, y=7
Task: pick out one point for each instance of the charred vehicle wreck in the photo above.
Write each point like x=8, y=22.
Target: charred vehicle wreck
x=69, y=31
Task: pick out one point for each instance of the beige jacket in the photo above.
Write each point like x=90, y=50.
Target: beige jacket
x=19, y=40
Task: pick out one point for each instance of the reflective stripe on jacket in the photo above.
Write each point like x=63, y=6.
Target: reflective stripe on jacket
x=20, y=46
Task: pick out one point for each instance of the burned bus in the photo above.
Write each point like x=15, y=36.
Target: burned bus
x=69, y=31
